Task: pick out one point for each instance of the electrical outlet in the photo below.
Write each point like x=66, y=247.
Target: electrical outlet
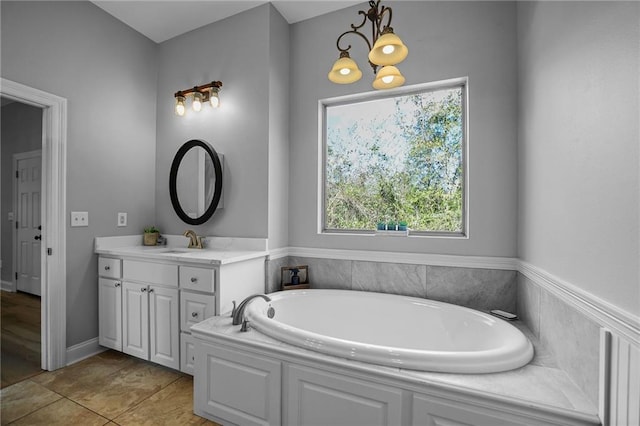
x=122, y=219
x=79, y=219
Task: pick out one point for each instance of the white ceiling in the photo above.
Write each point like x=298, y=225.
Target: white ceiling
x=165, y=19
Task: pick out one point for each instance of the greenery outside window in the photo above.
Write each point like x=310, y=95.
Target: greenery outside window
x=395, y=156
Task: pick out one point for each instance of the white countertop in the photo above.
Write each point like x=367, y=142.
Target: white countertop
x=219, y=250
x=538, y=384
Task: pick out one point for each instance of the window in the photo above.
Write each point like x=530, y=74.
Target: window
x=396, y=157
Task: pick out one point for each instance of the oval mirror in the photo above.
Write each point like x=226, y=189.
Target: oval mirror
x=195, y=182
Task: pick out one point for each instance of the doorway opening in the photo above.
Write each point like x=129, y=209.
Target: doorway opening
x=50, y=244
x=20, y=214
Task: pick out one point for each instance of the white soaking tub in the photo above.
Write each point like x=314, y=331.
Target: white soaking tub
x=391, y=330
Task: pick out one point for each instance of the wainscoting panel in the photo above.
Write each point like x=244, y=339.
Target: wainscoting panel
x=622, y=401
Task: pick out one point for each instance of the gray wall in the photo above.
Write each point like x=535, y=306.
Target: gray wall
x=445, y=40
x=279, y=66
x=107, y=72
x=21, y=131
x=236, y=52
x=578, y=145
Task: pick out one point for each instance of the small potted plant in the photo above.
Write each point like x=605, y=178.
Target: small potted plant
x=151, y=234
x=402, y=225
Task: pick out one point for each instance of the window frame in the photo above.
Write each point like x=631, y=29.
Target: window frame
x=462, y=83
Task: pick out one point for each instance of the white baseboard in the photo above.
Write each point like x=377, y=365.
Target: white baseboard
x=83, y=350
x=7, y=286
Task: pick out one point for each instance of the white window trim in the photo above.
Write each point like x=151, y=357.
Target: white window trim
x=400, y=91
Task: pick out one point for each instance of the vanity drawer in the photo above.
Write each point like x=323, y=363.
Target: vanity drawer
x=149, y=272
x=108, y=267
x=201, y=279
x=194, y=308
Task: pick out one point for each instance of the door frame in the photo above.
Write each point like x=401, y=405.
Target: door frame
x=16, y=157
x=54, y=254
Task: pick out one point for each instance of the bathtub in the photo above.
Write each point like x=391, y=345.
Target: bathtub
x=398, y=331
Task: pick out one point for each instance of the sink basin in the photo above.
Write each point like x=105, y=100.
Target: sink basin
x=176, y=251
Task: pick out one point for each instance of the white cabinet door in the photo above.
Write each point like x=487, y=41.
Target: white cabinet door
x=164, y=326
x=232, y=387
x=135, y=320
x=187, y=353
x=434, y=411
x=110, y=313
x=320, y=398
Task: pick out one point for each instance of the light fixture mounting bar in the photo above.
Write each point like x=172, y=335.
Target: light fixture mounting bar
x=204, y=89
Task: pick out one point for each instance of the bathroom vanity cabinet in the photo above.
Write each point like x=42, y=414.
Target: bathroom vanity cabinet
x=149, y=297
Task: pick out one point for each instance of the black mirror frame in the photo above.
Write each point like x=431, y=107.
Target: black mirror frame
x=173, y=192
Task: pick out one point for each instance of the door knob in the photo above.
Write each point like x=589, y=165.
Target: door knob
x=37, y=237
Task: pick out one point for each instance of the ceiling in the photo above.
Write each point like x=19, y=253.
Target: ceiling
x=165, y=19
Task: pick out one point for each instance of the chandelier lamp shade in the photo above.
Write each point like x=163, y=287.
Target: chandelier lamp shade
x=386, y=50
x=206, y=93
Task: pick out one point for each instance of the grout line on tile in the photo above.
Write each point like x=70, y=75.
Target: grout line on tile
x=89, y=409
x=39, y=408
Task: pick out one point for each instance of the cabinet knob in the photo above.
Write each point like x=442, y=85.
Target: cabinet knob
x=194, y=314
x=117, y=284
x=194, y=279
x=150, y=290
x=143, y=289
x=106, y=268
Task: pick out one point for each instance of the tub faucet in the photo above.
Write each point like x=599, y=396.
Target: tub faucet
x=238, y=312
x=194, y=240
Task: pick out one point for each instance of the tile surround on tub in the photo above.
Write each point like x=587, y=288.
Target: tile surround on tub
x=395, y=278
x=481, y=289
x=326, y=273
x=575, y=341
x=572, y=337
x=528, y=303
x=273, y=271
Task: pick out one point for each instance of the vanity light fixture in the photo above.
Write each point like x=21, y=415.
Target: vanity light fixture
x=200, y=94
x=385, y=50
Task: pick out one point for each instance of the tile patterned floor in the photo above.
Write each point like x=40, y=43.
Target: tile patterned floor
x=109, y=388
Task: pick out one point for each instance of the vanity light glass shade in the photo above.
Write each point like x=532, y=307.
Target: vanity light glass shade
x=388, y=77
x=388, y=50
x=214, y=100
x=345, y=70
x=180, y=108
x=197, y=102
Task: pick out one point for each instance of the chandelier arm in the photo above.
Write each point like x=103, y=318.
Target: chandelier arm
x=383, y=11
x=364, y=20
x=351, y=32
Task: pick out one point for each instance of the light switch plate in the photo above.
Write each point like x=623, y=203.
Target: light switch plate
x=122, y=219
x=79, y=219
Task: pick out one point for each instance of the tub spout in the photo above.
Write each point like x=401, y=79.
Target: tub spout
x=238, y=313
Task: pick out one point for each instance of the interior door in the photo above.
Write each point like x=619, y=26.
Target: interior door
x=28, y=221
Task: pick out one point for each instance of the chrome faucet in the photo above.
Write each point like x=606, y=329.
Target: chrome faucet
x=238, y=312
x=194, y=240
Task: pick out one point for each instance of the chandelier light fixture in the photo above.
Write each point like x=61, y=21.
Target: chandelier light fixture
x=207, y=93
x=385, y=50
